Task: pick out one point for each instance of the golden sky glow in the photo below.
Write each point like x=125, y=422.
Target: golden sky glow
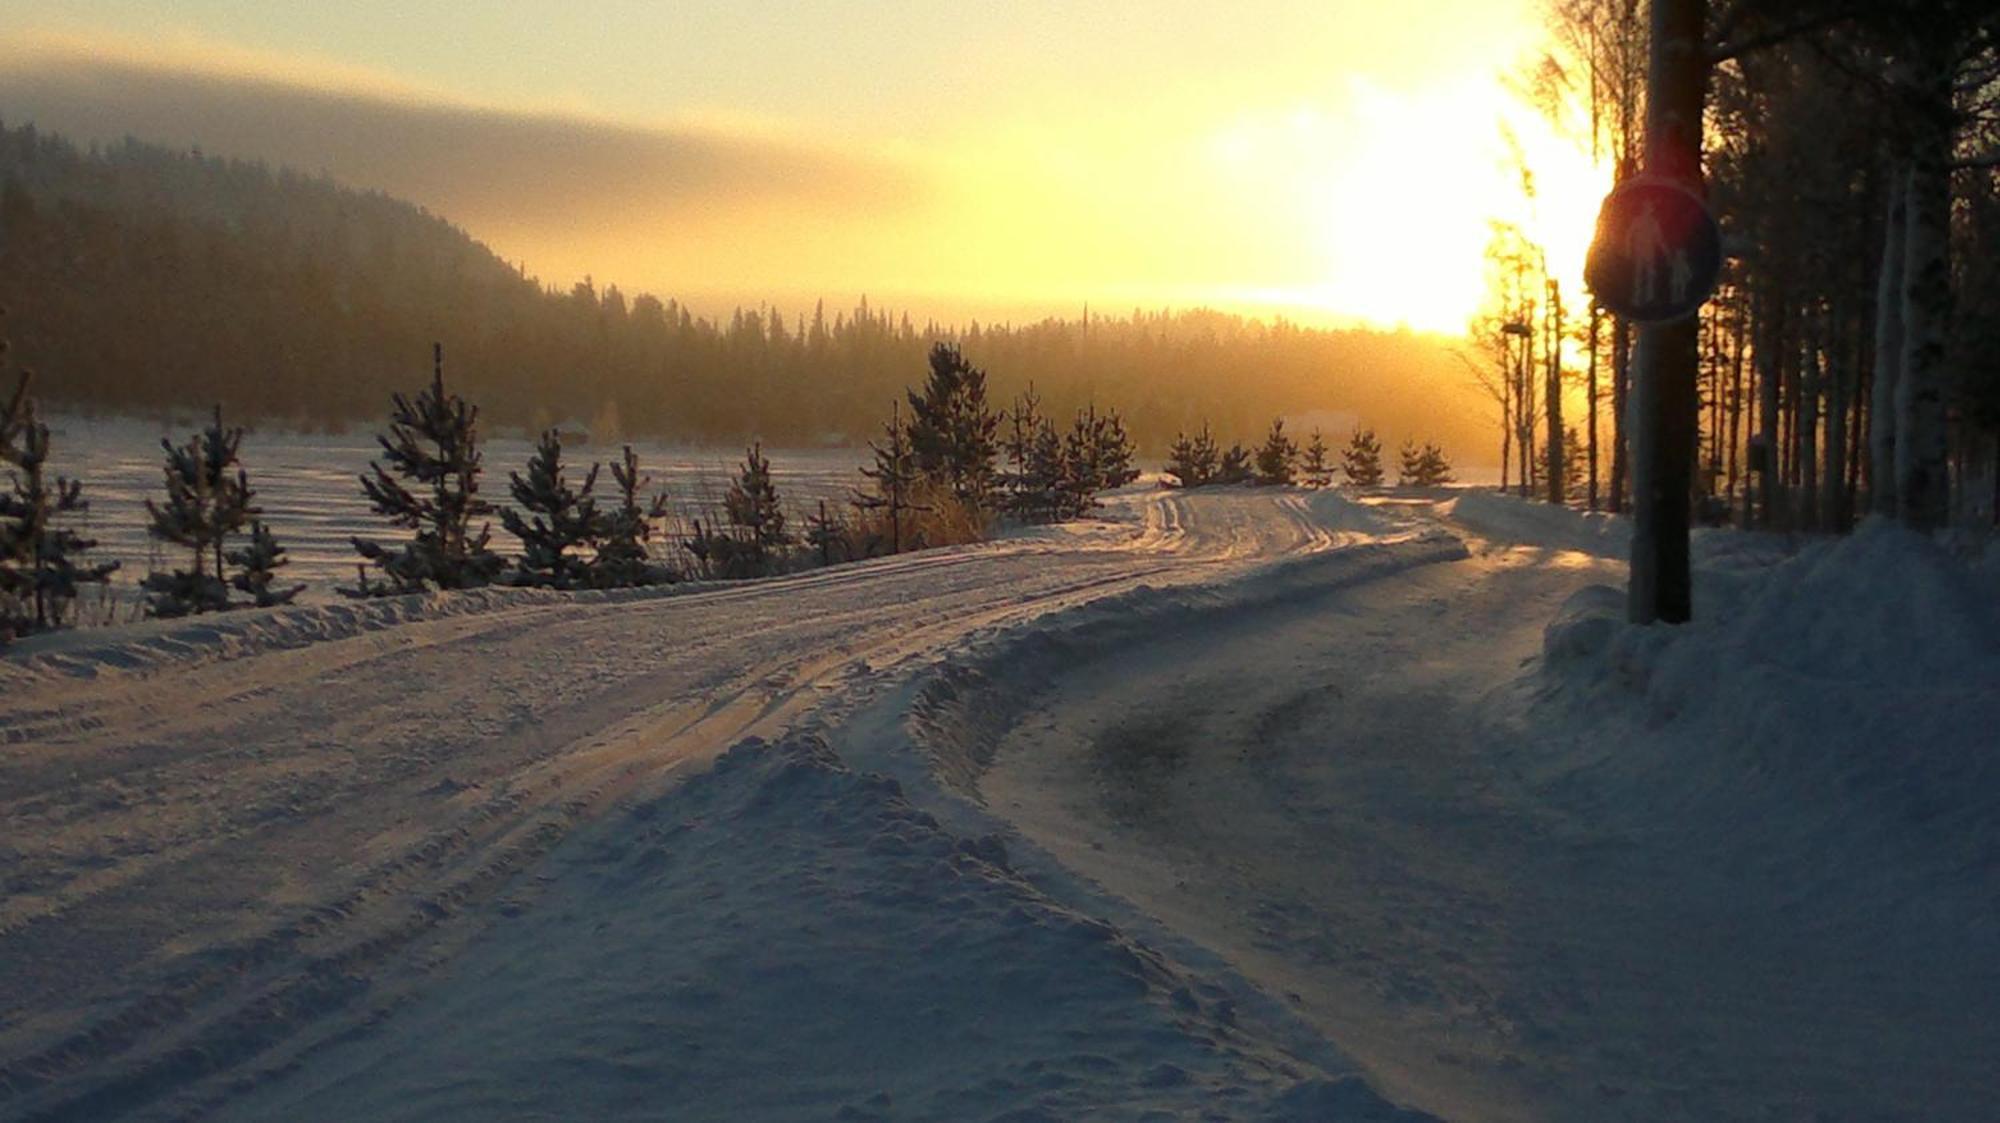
x=1331, y=161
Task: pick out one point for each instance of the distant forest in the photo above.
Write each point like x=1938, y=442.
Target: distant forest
x=143, y=280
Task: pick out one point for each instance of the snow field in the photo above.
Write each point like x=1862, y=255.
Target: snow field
x=1249, y=804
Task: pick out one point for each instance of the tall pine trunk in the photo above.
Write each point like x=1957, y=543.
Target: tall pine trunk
x=1921, y=479
x=1554, y=392
x=1596, y=317
x=1811, y=373
x=1621, y=382
x=1888, y=355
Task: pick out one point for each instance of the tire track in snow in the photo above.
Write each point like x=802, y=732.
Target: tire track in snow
x=263, y=835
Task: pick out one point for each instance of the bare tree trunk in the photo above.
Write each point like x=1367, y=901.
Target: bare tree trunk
x=1922, y=485
x=1596, y=315
x=1621, y=381
x=1810, y=375
x=1554, y=393
x=1733, y=435
x=1888, y=354
x=1769, y=371
x=1839, y=386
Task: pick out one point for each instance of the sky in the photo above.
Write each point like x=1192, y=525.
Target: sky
x=1334, y=162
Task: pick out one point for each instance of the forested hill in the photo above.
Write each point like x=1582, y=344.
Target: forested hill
x=139, y=279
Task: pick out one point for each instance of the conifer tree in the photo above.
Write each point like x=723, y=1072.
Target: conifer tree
x=826, y=535
x=1434, y=468
x=1362, y=459
x=257, y=565
x=1316, y=470
x=1193, y=460
x=1572, y=465
x=1081, y=478
x=1278, y=457
x=205, y=504
x=1115, y=453
x=1049, y=469
x=951, y=430
x=1023, y=421
x=41, y=562
x=622, y=560
x=894, y=477
x=559, y=521
x=752, y=506
x=433, y=441
x=1410, y=470
x=1235, y=466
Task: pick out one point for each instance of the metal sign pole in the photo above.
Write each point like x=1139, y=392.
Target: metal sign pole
x=1668, y=353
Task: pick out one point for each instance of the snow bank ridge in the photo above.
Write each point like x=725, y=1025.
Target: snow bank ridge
x=1842, y=703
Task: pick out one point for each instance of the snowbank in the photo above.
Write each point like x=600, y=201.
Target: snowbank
x=784, y=938
x=1838, y=709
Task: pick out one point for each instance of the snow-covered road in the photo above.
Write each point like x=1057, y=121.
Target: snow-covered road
x=1238, y=804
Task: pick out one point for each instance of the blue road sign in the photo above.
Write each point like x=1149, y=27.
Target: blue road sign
x=1657, y=254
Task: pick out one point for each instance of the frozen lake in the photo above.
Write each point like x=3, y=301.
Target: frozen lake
x=308, y=486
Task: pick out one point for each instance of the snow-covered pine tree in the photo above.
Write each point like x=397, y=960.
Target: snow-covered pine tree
x=1235, y=466
x=1410, y=467
x=257, y=564
x=951, y=432
x=752, y=506
x=1314, y=467
x=205, y=505
x=1362, y=459
x=1277, y=457
x=894, y=477
x=1193, y=460
x=1434, y=468
x=433, y=441
x=560, y=520
x=622, y=560
x=41, y=562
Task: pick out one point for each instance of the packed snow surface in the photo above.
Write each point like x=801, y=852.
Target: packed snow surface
x=1246, y=804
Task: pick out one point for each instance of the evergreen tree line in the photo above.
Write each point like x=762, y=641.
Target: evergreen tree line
x=935, y=480
x=144, y=279
x=1846, y=358
x=1198, y=461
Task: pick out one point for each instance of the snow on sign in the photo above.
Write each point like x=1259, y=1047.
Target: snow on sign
x=1657, y=253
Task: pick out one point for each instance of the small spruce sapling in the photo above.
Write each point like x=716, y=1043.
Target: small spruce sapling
x=1434, y=467
x=752, y=503
x=1235, y=466
x=1362, y=459
x=560, y=519
x=205, y=505
x=1278, y=457
x=433, y=442
x=894, y=480
x=1193, y=460
x=257, y=564
x=1410, y=466
x=1314, y=468
x=41, y=562
x=622, y=558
